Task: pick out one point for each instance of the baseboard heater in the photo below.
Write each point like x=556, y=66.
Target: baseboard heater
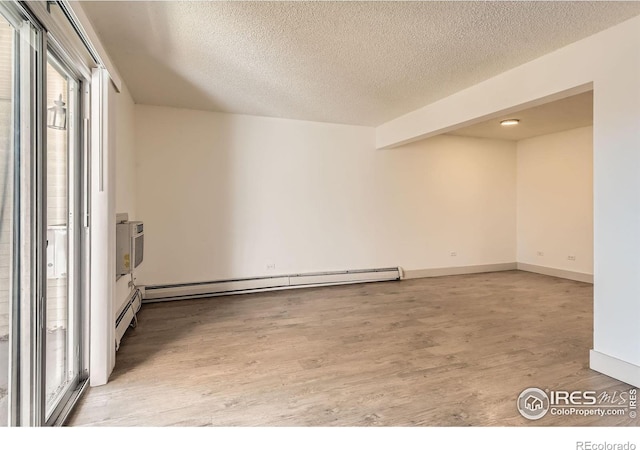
x=157, y=293
x=127, y=315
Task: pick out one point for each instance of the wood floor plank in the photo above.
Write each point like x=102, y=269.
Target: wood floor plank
x=450, y=351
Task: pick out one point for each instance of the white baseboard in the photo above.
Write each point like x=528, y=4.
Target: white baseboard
x=462, y=270
x=615, y=368
x=559, y=273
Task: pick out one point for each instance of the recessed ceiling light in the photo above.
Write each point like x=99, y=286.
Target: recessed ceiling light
x=509, y=122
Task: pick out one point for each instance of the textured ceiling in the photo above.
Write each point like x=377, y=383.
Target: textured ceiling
x=571, y=112
x=346, y=62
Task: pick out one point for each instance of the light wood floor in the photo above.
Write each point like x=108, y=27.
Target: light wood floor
x=442, y=351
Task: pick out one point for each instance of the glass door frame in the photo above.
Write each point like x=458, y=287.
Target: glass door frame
x=78, y=193
x=25, y=332
x=72, y=341
x=21, y=87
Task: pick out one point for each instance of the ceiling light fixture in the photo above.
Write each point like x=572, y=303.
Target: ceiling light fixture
x=509, y=122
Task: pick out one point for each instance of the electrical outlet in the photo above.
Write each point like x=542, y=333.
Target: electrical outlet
x=571, y=258
x=271, y=266
x=453, y=254
x=540, y=253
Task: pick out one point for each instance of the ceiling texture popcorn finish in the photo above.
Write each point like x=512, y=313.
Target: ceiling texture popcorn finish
x=361, y=63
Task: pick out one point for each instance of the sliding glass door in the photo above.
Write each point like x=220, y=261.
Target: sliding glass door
x=43, y=201
x=7, y=165
x=63, y=236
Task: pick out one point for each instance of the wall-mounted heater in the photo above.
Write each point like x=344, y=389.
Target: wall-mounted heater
x=159, y=293
x=129, y=246
x=127, y=315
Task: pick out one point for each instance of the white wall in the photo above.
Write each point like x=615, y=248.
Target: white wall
x=223, y=196
x=447, y=194
x=555, y=200
x=610, y=62
x=125, y=175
